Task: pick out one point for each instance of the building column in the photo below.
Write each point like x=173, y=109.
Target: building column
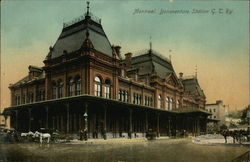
x=105, y=124
x=169, y=127
x=75, y=125
x=80, y=122
x=146, y=121
x=47, y=116
x=53, y=123
x=67, y=109
x=158, y=124
x=57, y=122
x=30, y=118
x=130, y=123
x=198, y=126
x=16, y=113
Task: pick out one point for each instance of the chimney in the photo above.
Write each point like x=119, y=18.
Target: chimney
x=128, y=57
x=180, y=75
x=117, y=51
x=219, y=102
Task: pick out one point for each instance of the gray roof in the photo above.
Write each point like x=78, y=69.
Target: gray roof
x=192, y=86
x=72, y=37
x=26, y=79
x=151, y=62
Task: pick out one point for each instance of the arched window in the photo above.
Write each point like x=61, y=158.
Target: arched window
x=98, y=89
x=71, y=87
x=107, y=89
x=170, y=104
x=78, y=86
x=60, y=89
x=167, y=103
x=177, y=104
x=159, y=101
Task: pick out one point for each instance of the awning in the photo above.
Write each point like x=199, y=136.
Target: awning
x=85, y=98
x=191, y=110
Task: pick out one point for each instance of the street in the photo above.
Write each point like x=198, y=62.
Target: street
x=172, y=150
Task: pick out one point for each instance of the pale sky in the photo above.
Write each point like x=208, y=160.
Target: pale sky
x=217, y=43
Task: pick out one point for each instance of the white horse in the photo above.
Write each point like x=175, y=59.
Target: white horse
x=26, y=135
x=42, y=136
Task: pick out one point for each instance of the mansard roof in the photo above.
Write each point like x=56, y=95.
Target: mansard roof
x=152, y=62
x=72, y=37
x=191, y=85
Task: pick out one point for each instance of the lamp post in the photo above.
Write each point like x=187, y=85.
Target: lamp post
x=85, y=116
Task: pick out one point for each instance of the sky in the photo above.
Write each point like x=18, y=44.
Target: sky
x=212, y=35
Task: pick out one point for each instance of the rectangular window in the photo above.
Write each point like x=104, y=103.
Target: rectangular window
x=60, y=93
x=18, y=100
x=54, y=93
x=78, y=87
x=71, y=89
x=123, y=95
x=23, y=99
x=120, y=95
x=107, y=91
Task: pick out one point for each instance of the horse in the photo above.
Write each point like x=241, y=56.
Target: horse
x=225, y=133
x=42, y=136
x=27, y=135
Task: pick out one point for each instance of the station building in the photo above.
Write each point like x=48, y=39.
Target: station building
x=86, y=83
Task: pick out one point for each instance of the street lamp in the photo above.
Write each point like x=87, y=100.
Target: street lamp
x=85, y=116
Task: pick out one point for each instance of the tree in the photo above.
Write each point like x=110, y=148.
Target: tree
x=244, y=115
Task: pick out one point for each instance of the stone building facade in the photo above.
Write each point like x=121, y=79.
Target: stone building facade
x=218, y=111
x=86, y=84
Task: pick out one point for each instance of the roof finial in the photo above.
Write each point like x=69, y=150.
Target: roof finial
x=87, y=8
x=170, y=54
x=150, y=44
x=196, y=71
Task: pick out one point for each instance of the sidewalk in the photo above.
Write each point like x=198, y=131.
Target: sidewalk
x=112, y=141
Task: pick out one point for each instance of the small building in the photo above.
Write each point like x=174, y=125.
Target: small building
x=219, y=112
x=86, y=84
